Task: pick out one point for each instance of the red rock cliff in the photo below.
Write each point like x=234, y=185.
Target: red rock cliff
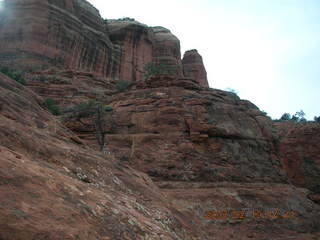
x=66, y=34
x=136, y=43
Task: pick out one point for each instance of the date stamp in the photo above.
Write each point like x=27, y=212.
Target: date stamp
x=241, y=214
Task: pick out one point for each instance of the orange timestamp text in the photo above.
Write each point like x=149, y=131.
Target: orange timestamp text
x=245, y=213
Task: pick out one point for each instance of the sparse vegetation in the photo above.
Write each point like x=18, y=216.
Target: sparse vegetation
x=52, y=106
x=122, y=85
x=96, y=110
x=14, y=74
x=300, y=116
x=152, y=69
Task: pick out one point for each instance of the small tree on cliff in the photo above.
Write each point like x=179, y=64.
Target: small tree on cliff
x=299, y=116
x=97, y=111
x=285, y=117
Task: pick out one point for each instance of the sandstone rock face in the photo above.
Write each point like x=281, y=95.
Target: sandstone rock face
x=52, y=186
x=193, y=67
x=299, y=147
x=207, y=150
x=66, y=34
x=141, y=45
x=167, y=49
x=182, y=132
x=136, y=44
x=248, y=210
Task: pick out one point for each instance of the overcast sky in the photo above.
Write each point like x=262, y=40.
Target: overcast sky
x=267, y=50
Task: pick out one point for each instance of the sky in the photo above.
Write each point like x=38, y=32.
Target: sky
x=266, y=50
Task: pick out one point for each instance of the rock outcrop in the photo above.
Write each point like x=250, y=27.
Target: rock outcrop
x=177, y=132
x=141, y=45
x=167, y=49
x=193, y=67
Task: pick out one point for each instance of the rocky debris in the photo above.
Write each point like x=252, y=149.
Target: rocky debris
x=193, y=67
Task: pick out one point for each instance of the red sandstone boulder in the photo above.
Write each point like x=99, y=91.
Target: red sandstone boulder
x=193, y=67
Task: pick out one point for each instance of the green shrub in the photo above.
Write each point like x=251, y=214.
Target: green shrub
x=211, y=122
x=317, y=119
x=52, y=106
x=122, y=85
x=108, y=109
x=88, y=108
x=285, y=117
x=152, y=69
x=14, y=74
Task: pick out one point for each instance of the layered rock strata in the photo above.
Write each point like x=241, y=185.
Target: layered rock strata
x=65, y=34
x=71, y=35
x=136, y=43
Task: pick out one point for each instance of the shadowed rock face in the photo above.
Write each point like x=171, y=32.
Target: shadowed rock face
x=193, y=67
